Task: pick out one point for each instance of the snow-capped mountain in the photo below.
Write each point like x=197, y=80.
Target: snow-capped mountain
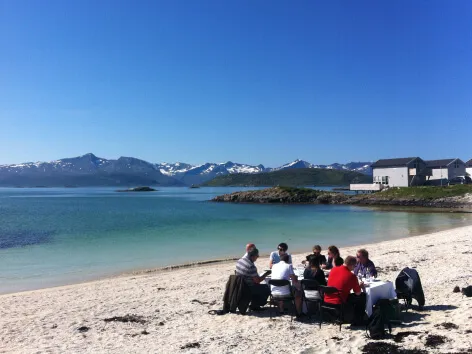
x=294, y=164
x=90, y=170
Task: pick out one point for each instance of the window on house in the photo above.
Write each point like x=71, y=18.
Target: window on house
x=384, y=179
x=456, y=164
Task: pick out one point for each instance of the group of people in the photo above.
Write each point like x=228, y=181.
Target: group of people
x=344, y=275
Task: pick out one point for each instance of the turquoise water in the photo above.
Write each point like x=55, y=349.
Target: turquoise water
x=58, y=236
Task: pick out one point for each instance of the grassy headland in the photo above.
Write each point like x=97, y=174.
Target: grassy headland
x=459, y=196
x=291, y=177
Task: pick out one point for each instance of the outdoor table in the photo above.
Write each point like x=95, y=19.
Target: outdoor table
x=377, y=290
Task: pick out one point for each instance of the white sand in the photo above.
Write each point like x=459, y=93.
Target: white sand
x=47, y=320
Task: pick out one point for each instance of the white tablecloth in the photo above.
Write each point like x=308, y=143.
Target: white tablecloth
x=378, y=290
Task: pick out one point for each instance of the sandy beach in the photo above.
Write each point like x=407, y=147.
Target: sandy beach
x=172, y=309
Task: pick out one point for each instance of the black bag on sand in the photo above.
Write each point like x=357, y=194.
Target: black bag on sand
x=467, y=291
x=379, y=319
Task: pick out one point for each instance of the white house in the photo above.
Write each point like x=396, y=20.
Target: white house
x=468, y=167
x=401, y=172
x=446, y=168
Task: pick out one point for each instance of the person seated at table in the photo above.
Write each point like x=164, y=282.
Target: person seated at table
x=316, y=253
x=283, y=270
x=314, y=272
x=275, y=256
x=249, y=246
x=333, y=254
x=338, y=262
x=364, y=264
x=344, y=280
x=246, y=268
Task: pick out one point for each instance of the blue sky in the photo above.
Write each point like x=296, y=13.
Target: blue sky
x=248, y=81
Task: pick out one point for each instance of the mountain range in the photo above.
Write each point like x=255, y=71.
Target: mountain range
x=90, y=170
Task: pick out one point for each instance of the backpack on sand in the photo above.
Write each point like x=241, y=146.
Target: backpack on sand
x=467, y=291
x=379, y=319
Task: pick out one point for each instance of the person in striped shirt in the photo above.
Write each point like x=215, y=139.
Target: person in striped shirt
x=246, y=268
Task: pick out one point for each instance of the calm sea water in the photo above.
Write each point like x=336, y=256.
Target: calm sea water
x=58, y=236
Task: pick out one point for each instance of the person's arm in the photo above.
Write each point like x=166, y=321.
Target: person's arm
x=258, y=279
x=271, y=261
x=290, y=259
x=356, y=269
x=292, y=274
x=356, y=287
x=373, y=270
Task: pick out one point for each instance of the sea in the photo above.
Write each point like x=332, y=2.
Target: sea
x=58, y=236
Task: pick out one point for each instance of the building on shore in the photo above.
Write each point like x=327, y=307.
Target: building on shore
x=468, y=167
x=400, y=172
x=446, y=168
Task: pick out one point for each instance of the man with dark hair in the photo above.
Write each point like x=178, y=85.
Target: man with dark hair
x=344, y=280
x=317, y=254
x=275, y=256
x=364, y=264
x=246, y=268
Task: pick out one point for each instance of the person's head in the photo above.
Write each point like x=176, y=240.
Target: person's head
x=284, y=258
x=314, y=262
x=282, y=248
x=350, y=262
x=249, y=246
x=362, y=256
x=317, y=249
x=333, y=252
x=338, y=261
x=253, y=254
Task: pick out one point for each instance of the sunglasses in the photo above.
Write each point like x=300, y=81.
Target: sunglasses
x=281, y=249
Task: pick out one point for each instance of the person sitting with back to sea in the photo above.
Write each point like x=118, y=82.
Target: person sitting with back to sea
x=313, y=271
x=364, y=264
x=333, y=261
x=275, y=256
x=259, y=292
x=344, y=280
x=284, y=271
x=249, y=247
x=316, y=253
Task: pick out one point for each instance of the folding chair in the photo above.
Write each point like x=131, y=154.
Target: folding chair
x=311, y=285
x=337, y=309
x=275, y=297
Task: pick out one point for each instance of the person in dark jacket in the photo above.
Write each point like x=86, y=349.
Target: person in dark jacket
x=316, y=253
x=314, y=272
x=333, y=261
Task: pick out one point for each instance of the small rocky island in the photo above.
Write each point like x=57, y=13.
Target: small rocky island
x=138, y=189
x=459, y=196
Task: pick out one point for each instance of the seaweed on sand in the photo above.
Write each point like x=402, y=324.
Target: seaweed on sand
x=383, y=347
x=126, y=318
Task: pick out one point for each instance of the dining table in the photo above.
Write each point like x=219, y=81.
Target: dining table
x=375, y=290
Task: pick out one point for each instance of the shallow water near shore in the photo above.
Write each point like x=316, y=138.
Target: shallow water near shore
x=59, y=236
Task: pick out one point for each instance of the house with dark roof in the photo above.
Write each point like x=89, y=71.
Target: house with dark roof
x=446, y=168
x=400, y=172
x=468, y=167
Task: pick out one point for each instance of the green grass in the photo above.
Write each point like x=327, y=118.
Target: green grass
x=428, y=192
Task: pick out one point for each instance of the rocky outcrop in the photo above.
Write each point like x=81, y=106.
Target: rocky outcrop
x=283, y=195
x=287, y=195
x=138, y=189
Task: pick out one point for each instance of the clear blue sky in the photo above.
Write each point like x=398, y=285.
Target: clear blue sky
x=248, y=81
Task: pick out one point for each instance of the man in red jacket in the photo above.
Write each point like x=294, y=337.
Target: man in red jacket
x=344, y=280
